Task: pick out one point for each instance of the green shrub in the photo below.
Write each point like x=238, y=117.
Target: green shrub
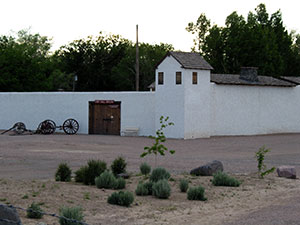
x=106, y=180
x=63, y=173
x=121, y=198
x=120, y=183
x=141, y=190
x=94, y=169
x=80, y=173
x=145, y=168
x=161, y=189
x=74, y=213
x=196, y=193
x=118, y=166
x=159, y=174
x=34, y=211
x=149, y=186
x=222, y=179
x=183, y=185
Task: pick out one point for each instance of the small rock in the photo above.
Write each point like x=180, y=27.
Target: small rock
x=208, y=169
x=286, y=171
x=124, y=175
x=9, y=214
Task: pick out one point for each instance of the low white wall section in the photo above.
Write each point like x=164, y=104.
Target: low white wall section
x=137, y=108
x=250, y=110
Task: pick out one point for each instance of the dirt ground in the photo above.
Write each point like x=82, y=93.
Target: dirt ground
x=28, y=164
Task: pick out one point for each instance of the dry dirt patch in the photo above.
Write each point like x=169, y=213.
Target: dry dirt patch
x=223, y=204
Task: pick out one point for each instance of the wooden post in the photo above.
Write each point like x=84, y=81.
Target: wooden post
x=137, y=66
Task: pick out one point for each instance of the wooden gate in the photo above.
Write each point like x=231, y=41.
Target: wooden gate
x=104, y=117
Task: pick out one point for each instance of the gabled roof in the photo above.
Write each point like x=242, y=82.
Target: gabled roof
x=234, y=79
x=189, y=60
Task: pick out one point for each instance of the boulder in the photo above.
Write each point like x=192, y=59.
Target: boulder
x=286, y=171
x=208, y=169
x=8, y=213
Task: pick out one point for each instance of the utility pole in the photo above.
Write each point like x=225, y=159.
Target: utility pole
x=137, y=64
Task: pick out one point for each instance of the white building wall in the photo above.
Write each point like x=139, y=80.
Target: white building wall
x=137, y=108
x=250, y=110
x=169, y=98
x=197, y=104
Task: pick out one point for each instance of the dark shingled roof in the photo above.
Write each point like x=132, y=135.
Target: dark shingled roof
x=234, y=79
x=295, y=80
x=189, y=60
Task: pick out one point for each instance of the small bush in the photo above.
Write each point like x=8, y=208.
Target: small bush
x=80, y=173
x=63, y=173
x=106, y=180
x=34, y=211
x=183, y=185
x=94, y=169
x=161, y=189
x=121, y=198
x=159, y=174
x=141, y=190
x=118, y=166
x=74, y=213
x=120, y=183
x=145, y=168
x=196, y=193
x=222, y=179
x=149, y=186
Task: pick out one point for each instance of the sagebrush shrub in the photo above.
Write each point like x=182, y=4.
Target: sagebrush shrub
x=149, y=185
x=183, y=185
x=80, y=173
x=145, y=168
x=161, y=189
x=159, y=174
x=196, y=193
x=120, y=183
x=122, y=198
x=34, y=211
x=141, y=189
x=222, y=179
x=74, y=213
x=63, y=173
x=94, y=169
x=106, y=180
x=118, y=166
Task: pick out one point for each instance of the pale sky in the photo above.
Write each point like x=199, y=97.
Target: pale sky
x=159, y=20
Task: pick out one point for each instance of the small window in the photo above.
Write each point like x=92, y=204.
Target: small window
x=178, y=77
x=195, y=78
x=160, y=78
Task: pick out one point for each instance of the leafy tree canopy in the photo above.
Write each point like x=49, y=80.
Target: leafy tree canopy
x=261, y=40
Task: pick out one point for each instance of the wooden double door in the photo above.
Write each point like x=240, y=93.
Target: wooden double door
x=104, y=117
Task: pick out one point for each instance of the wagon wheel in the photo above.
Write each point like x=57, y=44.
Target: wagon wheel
x=70, y=126
x=19, y=128
x=47, y=127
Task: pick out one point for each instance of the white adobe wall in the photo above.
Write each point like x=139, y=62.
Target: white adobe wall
x=169, y=98
x=250, y=110
x=197, y=104
x=137, y=108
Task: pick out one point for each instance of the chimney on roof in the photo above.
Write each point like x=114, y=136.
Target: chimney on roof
x=249, y=74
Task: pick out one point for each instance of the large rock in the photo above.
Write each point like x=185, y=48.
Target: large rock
x=286, y=171
x=208, y=169
x=9, y=214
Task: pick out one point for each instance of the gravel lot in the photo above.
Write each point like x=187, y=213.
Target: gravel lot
x=37, y=156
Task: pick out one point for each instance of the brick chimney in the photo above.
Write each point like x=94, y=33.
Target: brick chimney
x=249, y=74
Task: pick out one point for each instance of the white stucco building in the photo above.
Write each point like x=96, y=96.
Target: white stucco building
x=200, y=104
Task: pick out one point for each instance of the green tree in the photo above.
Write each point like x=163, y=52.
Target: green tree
x=261, y=41
x=27, y=65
